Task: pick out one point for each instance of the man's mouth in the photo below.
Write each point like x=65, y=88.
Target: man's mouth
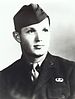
x=38, y=46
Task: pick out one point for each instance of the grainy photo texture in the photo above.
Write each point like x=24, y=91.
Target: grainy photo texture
x=38, y=74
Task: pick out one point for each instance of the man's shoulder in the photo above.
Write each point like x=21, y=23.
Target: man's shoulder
x=11, y=67
x=62, y=65
x=62, y=62
x=11, y=72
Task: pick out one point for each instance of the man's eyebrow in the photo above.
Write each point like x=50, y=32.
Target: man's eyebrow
x=45, y=28
x=32, y=28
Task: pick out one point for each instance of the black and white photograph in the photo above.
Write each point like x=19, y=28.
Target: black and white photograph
x=37, y=49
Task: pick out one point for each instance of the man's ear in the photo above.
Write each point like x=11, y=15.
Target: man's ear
x=16, y=36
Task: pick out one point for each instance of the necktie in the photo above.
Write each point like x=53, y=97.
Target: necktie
x=35, y=72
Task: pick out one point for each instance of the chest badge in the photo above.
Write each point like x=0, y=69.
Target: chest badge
x=59, y=79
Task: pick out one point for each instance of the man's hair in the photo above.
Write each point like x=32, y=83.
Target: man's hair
x=28, y=15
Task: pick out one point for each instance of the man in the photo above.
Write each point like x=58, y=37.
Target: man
x=38, y=74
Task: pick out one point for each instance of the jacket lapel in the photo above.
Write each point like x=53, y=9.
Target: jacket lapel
x=49, y=68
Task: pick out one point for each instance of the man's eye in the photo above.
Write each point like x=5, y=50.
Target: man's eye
x=30, y=31
x=45, y=30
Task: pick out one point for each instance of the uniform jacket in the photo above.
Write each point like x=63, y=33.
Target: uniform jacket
x=56, y=80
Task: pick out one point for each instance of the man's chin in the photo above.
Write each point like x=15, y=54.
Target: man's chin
x=37, y=55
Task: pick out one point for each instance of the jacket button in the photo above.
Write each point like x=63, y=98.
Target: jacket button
x=63, y=97
x=52, y=63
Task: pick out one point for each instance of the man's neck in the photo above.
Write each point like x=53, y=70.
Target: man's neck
x=33, y=59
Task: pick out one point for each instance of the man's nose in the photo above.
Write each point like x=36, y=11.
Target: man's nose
x=38, y=37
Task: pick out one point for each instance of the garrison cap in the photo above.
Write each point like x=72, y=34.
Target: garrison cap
x=28, y=15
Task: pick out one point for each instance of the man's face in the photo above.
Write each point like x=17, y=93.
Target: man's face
x=35, y=38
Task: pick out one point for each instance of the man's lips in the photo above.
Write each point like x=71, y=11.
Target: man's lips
x=38, y=46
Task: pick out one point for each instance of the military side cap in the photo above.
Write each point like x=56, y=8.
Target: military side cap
x=28, y=15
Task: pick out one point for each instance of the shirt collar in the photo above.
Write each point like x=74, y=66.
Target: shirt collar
x=40, y=61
